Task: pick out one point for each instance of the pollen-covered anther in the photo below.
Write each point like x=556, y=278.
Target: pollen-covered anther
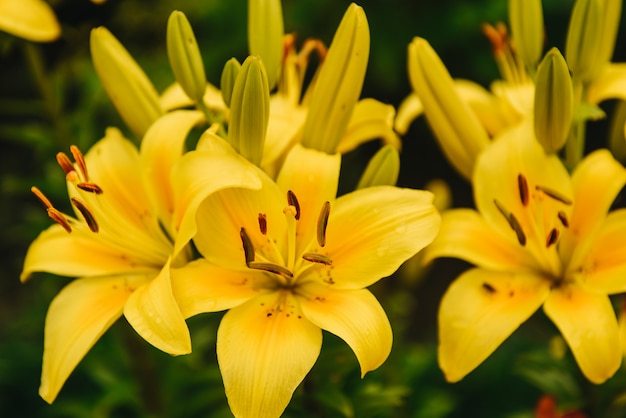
x=59, y=218
x=80, y=161
x=87, y=215
x=522, y=185
x=263, y=223
x=554, y=195
x=271, y=268
x=317, y=258
x=65, y=163
x=322, y=223
x=248, y=248
x=90, y=187
x=293, y=201
x=563, y=218
x=513, y=223
x=552, y=238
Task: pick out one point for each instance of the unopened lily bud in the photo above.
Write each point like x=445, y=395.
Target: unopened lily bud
x=229, y=76
x=265, y=35
x=611, y=14
x=184, y=56
x=554, y=102
x=339, y=83
x=526, y=20
x=456, y=127
x=128, y=87
x=250, y=110
x=584, y=40
x=382, y=169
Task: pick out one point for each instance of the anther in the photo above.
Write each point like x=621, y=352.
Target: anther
x=248, y=248
x=489, y=288
x=65, y=163
x=90, y=187
x=41, y=197
x=563, y=218
x=271, y=268
x=263, y=223
x=87, y=215
x=554, y=195
x=513, y=223
x=317, y=258
x=522, y=185
x=293, y=201
x=59, y=218
x=80, y=160
x=552, y=237
x=322, y=223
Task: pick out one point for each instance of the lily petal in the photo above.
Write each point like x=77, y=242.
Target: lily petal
x=588, y=324
x=410, y=109
x=154, y=314
x=174, y=97
x=610, y=84
x=479, y=311
x=372, y=231
x=76, y=319
x=356, y=317
x=33, y=20
x=265, y=348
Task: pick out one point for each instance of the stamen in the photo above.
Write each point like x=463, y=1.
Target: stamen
x=64, y=162
x=489, y=288
x=90, y=187
x=80, y=160
x=41, y=197
x=293, y=201
x=271, y=268
x=513, y=223
x=522, y=185
x=554, y=195
x=263, y=223
x=552, y=238
x=317, y=258
x=563, y=218
x=322, y=223
x=248, y=248
x=87, y=215
x=58, y=217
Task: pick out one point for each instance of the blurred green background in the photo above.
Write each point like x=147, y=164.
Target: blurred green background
x=50, y=98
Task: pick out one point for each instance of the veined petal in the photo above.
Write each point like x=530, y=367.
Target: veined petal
x=76, y=319
x=77, y=254
x=356, y=317
x=201, y=286
x=588, y=324
x=466, y=235
x=610, y=84
x=153, y=313
x=372, y=231
x=33, y=20
x=370, y=120
x=479, y=311
x=313, y=177
x=161, y=148
x=265, y=348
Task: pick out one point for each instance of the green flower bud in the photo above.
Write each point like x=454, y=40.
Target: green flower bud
x=526, y=20
x=611, y=14
x=584, y=40
x=265, y=35
x=554, y=101
x=128, y=87
x=250, y=110
x=382, y=169
x=184, y=56
x=229, y=76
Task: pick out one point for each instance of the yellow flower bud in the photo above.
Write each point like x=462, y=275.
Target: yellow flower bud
x=184, y=56
x=456, y=127
x=265, y=35
x=584, y=39
x=611, y=14
x=382, y=169
x=250, y=110
x=339, y=83
x=526, y=19
x=128, y=87
x=227, y=82
x=554, y=101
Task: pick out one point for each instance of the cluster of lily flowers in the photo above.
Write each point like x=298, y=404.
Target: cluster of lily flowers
x=248, y=221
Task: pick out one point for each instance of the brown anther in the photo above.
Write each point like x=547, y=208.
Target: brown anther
x=554, y=195
x=489, y=288
x=59, y=218
x=317, y=258
x=87, y=215
x=522, y=185
x=90, y=187
x=263, y=223
x=80, y=160
x=293, y=201
x=322, y=223
x=552, y=237
x=563, y=218
x=248, y=248
x=41, y=197
x=513, y=223
x=64, y=162
x=271, y=268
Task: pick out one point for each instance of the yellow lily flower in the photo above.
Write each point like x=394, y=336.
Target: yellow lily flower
x=33, y=20
x=289, y=260
x=538, y=237
x=129, y=226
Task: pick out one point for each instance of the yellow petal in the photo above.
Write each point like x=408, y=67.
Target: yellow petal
x=76, y=319
x=33, y=20
x=356, y=317
x=370, y=120
x=588, y=324
x=204, y=287
x=466, y=235
x=153, y=313
x=410, y=109
x=174, y=97
x=610, y=84
x=479, y=311
x=265, y=348
x=372, y=231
